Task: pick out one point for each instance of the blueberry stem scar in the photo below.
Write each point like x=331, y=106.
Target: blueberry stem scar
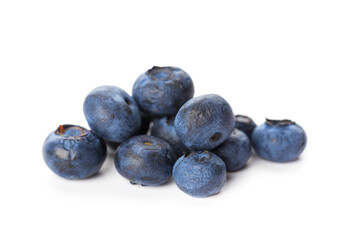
x=73, y=131
x=155, y=70
x=283, y=122
x=61, y=129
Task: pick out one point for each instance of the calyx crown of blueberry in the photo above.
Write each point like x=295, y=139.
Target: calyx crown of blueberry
x=155, y=70
x=198, y=152
x=63, y=129
x=277, y=123
x=243, y=118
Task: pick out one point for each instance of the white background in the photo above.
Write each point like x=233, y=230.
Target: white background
x=279, y=59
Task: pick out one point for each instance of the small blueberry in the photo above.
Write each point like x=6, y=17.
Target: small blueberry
x=235, y=151
x=245, y=124
x=164, y=128
x=279, y=140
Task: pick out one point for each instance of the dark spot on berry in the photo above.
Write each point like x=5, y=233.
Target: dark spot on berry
x=187, y=154
x=278, y=123
x=215, y=137
x=128, y=109
x=303, y=142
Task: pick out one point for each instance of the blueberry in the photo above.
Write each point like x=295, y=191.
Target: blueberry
x=74, y=152
x=200, y=174
x=204, y=122
x=245, y=124
x=112, y=114
x=279, y=140
x=145, y=160
x=164, y=128
x=161, y=91
x=235, y=151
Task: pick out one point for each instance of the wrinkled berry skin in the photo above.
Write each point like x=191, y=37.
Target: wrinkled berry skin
x=279, y=141
x=161, y=91
x=145, y=160
x=164, y=128
x=144, y=128
x=112, y=114
x=235, y=151
x=74, y=152
x=200, y=174
x=204, y=122
x=245, y=124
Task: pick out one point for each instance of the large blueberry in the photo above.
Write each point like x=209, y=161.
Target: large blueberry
x=200, y=174
x=164, y=128
x=204, y=122
x=245, y=124
x=112, y=114
x=161, y=91
x=145, y=160
x=279, y=140
x=74, y=152
x=235, y=151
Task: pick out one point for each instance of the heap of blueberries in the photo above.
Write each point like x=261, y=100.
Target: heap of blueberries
x=162, y=130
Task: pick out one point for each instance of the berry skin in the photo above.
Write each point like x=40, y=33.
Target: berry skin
x=245, y=124
x=145, y=160
x=74, y=152
x=112, y=114
x=164, y=128
x=279, y=140
x=200, y=174
x=161, y=91
x=204, y=122
x=235, y=151
x=144, y=128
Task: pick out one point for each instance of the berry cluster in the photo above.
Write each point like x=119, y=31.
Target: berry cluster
x=163, y=131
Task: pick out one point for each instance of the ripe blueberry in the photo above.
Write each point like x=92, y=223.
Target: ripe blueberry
x=112, y=114
x=74, y=152
x=204, y=122
x=245, y=124
x=235, y=151
x=145, y=160
x=200, y=174
x=161, y=91
x=164, y=128
x=279, y=140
